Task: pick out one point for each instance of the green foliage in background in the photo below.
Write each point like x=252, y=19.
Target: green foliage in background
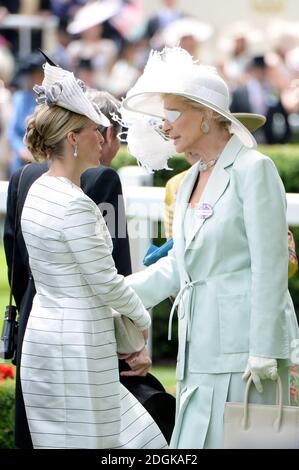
x=7, y=400
x=123, y=158
x=285, y=157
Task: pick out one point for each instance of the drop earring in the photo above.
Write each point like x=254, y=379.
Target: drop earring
x=76, y=151
x=205, y=128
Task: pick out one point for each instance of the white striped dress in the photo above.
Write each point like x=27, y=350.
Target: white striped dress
x=69, y=366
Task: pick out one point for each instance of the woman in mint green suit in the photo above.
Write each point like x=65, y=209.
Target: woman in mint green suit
x=229, y=264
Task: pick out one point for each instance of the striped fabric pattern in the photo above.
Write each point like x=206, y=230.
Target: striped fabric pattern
x=69, y=367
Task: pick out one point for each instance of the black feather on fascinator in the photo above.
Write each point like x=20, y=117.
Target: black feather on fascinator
x=50, y=62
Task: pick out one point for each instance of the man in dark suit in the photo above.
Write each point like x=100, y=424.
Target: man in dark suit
x=167, y=14
x=258, y=96
x=103, y=186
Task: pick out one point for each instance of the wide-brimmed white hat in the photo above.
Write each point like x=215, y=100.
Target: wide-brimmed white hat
x=183, y=27
x=255, y=37
x=92, y=14
x=173, y=71
x=61, y=88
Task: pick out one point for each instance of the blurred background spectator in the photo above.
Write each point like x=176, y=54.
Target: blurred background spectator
x=188, y=33
x=65, y=9
x=28, y=74
x=167, y=14
x=258, y=95
x=107, y=42
x=5, y=112
x=125, y=70
x=60, y=47
x=23, y=7
x=101, y=52
x=238, y=42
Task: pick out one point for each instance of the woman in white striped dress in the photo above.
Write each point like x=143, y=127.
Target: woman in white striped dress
x=69, y=366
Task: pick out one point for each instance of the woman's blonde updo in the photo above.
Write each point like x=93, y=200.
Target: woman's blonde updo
x=47, y=129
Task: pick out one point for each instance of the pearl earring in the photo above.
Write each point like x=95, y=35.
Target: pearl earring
x=76, y=151
x=205, y=128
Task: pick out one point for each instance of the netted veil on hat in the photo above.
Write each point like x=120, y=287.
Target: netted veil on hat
x=61, y=88
x=173, y=71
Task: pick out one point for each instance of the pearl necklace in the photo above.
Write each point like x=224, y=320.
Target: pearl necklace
x=204, y=166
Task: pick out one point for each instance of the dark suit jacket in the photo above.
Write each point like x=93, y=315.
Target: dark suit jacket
x=155, y=24
x=271, y=132
x=102, y=185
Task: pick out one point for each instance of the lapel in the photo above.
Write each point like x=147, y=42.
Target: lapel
x=181, y=207
x=217, y=182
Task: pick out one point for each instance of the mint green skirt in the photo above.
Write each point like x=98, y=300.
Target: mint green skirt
x=200, y=406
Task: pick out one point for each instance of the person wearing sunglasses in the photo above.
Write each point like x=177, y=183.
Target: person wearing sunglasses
x=229, y=264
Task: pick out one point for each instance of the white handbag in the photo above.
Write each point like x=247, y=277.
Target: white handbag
x=258, y=426
x=128, y=338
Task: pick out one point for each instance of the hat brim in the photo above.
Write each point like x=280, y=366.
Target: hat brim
x=151, y=103
x=173, y=33
x=92, y=15
x=240, y=29
x=251, y=121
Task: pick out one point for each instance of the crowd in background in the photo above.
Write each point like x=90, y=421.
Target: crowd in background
x=107, y=42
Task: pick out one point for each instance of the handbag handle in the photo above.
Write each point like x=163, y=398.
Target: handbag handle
x=279, y=399
x=17, y=219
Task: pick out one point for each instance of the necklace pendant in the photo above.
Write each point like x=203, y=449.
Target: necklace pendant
x=202, y=166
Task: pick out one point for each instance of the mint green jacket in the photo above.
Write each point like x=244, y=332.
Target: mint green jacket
x=231, y=273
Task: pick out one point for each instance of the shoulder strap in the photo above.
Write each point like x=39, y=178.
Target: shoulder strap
x=17, y=218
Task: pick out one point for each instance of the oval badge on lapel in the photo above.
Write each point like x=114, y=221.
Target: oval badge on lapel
x=205, y=210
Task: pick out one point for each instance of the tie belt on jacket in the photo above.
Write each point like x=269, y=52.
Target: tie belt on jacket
x=188, y=287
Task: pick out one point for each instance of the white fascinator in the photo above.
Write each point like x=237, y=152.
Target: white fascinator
x=61, y=88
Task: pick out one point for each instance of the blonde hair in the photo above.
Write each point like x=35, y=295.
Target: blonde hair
x=47, y=129
x=222, y=121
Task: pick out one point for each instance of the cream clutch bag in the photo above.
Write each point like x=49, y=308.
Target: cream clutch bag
x=255, y=426
x=128, y=338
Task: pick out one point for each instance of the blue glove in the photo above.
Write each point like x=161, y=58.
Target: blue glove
x=156, y=252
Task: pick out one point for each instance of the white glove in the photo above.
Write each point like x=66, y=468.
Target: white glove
x=260, y=368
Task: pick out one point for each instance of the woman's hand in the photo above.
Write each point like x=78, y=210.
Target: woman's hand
x=260, y=368
x=139, y=362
